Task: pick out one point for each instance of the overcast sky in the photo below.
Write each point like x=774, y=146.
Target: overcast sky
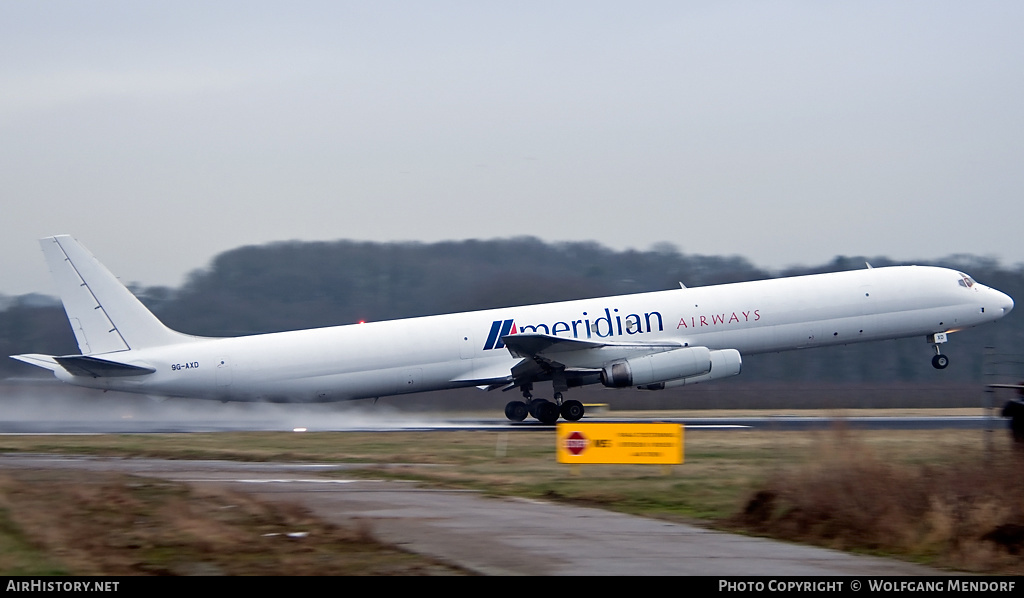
x=162, y=133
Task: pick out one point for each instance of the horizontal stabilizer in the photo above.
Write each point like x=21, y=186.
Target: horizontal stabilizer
x=38, y=360
x=83, y=365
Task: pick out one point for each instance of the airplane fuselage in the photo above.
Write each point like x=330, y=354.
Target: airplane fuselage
x=466, y=349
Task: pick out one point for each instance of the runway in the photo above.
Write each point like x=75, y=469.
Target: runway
x=38, y=409
x=391, y=422
x=499, y=536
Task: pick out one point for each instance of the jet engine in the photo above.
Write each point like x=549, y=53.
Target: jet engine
x=724, y=363
x=658, y=367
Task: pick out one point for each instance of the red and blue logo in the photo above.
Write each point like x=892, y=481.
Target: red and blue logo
x=499, y=329
x=610, y=323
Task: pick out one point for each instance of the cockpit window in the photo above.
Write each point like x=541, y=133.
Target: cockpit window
x=965, y=280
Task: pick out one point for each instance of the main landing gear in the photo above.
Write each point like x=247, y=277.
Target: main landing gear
x=940, y=361
x=545, y=411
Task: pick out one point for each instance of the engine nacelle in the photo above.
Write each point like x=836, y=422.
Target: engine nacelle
x=649, y=369
x=724, y=363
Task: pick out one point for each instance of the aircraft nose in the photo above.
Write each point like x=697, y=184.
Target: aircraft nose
x=1005, y=302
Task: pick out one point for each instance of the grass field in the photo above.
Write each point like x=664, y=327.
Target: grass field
x=948, y=498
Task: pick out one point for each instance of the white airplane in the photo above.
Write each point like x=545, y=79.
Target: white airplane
x=648, y=340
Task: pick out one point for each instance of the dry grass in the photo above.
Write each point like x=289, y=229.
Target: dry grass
x=966, y=514
x=89, y=523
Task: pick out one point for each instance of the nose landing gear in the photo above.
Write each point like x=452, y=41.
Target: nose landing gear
x=940, y=361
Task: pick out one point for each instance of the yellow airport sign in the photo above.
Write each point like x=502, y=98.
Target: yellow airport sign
x=644, y=443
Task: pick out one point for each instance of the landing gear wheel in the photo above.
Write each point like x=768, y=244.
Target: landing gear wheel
x=940, y=362
x=533, y=404
x=516, y=411
x=572, y=410
x=546, y=412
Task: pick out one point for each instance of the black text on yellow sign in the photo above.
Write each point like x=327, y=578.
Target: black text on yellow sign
x=644, y=443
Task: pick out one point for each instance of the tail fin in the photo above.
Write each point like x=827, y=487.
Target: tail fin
x=104, y=315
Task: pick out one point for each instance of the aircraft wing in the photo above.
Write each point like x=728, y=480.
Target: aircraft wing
x=541, y=354
x=574, y=353
x=498, y=375
x=648, y=365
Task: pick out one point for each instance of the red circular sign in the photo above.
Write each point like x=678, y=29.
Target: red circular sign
x=575, y=443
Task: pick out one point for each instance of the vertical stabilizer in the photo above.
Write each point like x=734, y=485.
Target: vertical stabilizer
x=104, y=315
